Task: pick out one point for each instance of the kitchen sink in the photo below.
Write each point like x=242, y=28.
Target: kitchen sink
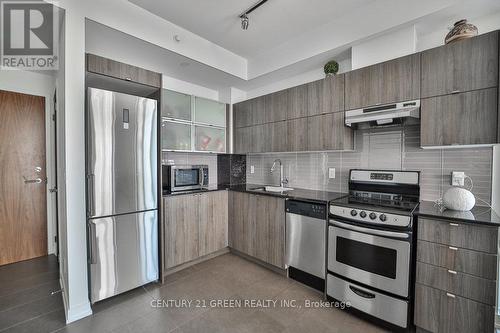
x=276, y=189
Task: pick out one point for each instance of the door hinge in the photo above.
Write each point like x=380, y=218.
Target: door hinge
x=54, y=117
x=53, y=190
x=55, y=239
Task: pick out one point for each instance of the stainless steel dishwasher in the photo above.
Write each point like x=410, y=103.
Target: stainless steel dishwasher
x=306, y=224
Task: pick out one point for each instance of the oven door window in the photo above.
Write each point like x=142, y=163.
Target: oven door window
x=367, y=257
x=187, y=177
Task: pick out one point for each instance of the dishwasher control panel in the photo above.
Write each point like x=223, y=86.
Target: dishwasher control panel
x=314, y=210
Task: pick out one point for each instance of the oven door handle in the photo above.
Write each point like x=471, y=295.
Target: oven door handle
x=376, y=232
x=361, y=293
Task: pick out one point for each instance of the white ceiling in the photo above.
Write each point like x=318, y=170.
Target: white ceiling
x=275, y=22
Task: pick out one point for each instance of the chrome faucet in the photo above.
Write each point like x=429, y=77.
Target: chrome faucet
x=283, y=180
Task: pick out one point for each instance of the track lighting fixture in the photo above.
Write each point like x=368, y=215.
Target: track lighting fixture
x=244, y=15
x=244, y=22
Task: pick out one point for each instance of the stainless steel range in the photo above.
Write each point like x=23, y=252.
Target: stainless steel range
x=370, y=244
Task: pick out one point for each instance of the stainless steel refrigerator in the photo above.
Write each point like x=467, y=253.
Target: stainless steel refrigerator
x=122, y=200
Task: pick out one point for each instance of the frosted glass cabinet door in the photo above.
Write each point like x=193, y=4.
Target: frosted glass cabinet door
x=175, y=136
x=209, y=112
x=210, y=139
x=175, y=105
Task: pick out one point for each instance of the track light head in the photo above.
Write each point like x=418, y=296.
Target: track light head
x=244, y=22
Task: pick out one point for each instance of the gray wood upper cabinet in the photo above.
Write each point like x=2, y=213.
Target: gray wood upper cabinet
x=276, y=137
x=327, y=132
x=249, y=113
x=242, y=143
x=119, y=70
x=391, y=81
x=460, y=119
x=466, y=65
x=242, y=114
x=276, y=105
x=326, y=95
x=297, y=134
x=257, y=225
x=297, y=102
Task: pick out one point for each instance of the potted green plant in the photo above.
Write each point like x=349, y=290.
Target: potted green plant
x=331, y=68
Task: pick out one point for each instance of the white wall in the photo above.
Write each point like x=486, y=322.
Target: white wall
x=436, y=38
x=39, y=84
x=385, y=47
x=189, y=88
x=313, y=75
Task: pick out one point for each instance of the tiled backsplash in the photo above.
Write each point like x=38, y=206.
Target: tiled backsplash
x=393, y=148
x=194, y=158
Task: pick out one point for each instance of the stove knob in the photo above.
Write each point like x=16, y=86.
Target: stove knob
x=362, y=214
x=354, y=212
x=373, y=216
x=383, y=217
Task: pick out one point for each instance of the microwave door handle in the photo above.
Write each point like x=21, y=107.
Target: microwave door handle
x=200, y=178
x=376, y=232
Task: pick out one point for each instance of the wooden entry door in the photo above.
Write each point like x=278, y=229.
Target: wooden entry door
x=23, y=201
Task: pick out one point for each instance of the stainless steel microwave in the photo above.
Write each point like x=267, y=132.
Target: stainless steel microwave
x=177, y=178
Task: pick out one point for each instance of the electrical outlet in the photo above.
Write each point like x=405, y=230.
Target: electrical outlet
x=252, y=169
x=457, y=178
x=331, y=173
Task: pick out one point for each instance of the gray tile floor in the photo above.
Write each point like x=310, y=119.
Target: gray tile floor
x=226, y=278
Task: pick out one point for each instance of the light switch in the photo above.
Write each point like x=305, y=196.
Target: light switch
x=252, y=169
x=331, y=173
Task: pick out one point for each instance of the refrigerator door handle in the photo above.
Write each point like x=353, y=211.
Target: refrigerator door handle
x=92, y=243
x=90, y=189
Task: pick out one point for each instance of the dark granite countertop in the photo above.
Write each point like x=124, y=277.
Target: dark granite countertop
x=297, y=193
x=209, y=189
x=478, y=214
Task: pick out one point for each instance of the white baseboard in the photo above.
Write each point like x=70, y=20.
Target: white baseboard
x=77, y=312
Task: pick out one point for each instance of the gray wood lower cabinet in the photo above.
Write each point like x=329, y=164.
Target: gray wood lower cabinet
x=195, y=225
x=257, y=226
x=181, y=218
x=441, y=312
x=460, y=119
x=456, y=277
x=213, y=222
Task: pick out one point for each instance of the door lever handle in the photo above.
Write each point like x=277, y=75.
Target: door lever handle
x=33, y=181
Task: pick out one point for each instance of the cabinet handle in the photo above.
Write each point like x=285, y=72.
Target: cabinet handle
x=455, y=92
x=454, y=224
x=128, y=79
x=450, y=295
x=453, y=248
x=452, y=272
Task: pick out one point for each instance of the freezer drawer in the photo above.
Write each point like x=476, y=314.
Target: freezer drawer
x=390, y=309
x=123, y=253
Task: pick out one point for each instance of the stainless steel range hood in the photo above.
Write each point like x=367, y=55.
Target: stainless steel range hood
x=383, y=115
